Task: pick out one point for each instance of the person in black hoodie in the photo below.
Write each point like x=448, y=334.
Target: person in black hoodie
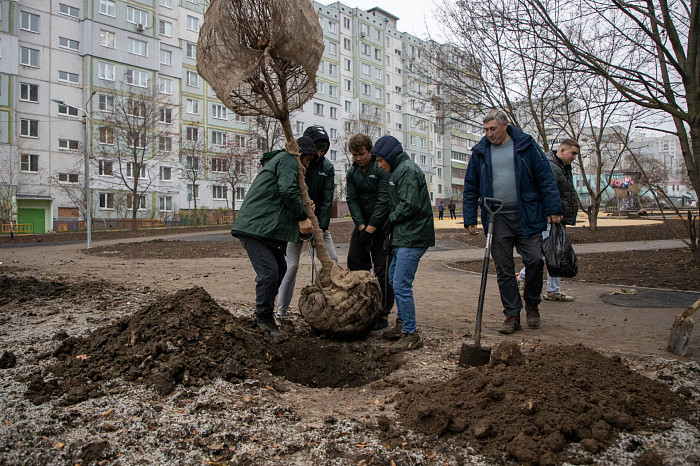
x=320, y=179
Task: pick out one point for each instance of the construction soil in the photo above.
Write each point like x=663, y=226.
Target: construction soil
x=146, y=352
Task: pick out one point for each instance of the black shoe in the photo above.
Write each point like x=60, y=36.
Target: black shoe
x=380, y=324
x=268, y=324
x=532, y=315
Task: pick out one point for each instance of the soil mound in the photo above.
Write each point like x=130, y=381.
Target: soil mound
x=187, y=338
x=531, y=408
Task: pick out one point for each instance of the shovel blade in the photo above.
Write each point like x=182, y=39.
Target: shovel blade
x=472, y=356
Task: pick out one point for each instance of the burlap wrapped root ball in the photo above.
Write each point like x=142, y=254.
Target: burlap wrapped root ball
x=348, y=307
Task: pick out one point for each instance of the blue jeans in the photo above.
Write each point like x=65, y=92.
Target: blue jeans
x=402, y=271
x=269, y=265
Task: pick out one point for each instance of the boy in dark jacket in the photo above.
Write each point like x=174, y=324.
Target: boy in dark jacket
x=410, y=223
x=368, y=200
x=271, y=215
x=320, y=179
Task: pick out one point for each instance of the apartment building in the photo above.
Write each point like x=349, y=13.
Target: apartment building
x=74, y=67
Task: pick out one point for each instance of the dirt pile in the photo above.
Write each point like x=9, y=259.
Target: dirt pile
x=532, y=407
x=187, y=338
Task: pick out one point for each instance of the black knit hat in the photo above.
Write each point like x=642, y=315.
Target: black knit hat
x=306, y=146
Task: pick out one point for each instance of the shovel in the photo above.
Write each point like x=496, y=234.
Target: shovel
x=681, y=330
x=476, y=355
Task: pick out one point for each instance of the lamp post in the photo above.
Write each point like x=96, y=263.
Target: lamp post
x=88, y=212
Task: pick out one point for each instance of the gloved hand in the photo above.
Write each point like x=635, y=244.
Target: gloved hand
x=388, y=227
x=366, y=238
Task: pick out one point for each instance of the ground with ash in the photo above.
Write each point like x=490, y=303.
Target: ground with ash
x=98, y=373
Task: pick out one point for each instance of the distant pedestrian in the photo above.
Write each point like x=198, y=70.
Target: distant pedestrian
x=452, y=206
x=441, y=210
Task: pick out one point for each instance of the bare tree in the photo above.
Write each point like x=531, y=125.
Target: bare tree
x=268, y=132
x=129, y=136
x=235, y=167
x=193, y=162
x=9, y=171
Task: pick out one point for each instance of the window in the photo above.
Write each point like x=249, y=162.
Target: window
x=165, y=144
x=29, y=92
x=130, y=170
x=378, y=73
x=107, y=7
x=136, y=108
x=366, y=89
x=318, y=109
x=334, y=155
x=320, y=88
x=193, y=106
x=166, y=3
x=192, y=79
x=348, y=106
x=346, y=23
x=366, y=50
x=332, y=27
x=192, y=192
x=166, y=57
x=334, y=113
x=422, y=159
x=106, y=200
x=68, y=144
x=69, y=10
x=332, y=69
x=66, y=77
x=377, y=92
x=107, y=71
x=137, y=78
x=300, y=126
x=136, y=16
x=347, y=44
x=29, y=163
x=106, y=103
x=439, y=172
x=218, y=165
x=137, y=47
x=106, y=135
x=192, y=23
x=333, y=48
x=29, y=57
x=165, y=86
x=218, y=138
x=136, y=139
x=165, y=28
x=165, y=174
x=365, y=69
x=192, y=162
x=240, y=141
x=165, y=203
x=28, y=128
x=347, y=64
x=130, y=204
x=105, y=168
x=165, y=115
x=191, y=50
x=348, y=126
x=192, y=134
x=218, y=192
x=334, y=134
x=218, y=111
x=106, y=39
x=68, y=177
x=29, y=22
x=348, y=84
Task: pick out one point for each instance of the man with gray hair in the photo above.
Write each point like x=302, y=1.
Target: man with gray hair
x=508, y=164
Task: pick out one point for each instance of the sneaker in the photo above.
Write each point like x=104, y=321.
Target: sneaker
x=268, y=324
x=532, y=314
x=380, y=324
x=394, y=333
x=521, y=283
x=407, y=342
x=557, y=296
x=510, y=325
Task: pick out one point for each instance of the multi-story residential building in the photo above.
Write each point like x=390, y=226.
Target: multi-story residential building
x=110, y=64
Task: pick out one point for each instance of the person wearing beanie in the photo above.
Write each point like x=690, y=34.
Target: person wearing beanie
x=367, y=191
x=271, y=215
x=412, y=231
x=320, y=179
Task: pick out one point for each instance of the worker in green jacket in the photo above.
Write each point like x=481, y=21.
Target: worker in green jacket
x=410, y=224
x=320, y=179
x=367, y=195
x=272, y=215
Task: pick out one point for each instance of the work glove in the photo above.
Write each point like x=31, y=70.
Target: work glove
x=366, y=239
x=388, y=227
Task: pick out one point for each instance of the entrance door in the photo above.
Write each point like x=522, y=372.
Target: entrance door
x=33, y=216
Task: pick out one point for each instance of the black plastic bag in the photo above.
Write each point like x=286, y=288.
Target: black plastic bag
x=560, y=256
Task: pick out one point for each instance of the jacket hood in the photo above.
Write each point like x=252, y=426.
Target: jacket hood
x=387, y=148
x=306, y=146
x=267, y=156
x=319, y=136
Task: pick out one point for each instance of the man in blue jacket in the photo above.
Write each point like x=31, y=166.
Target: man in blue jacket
x=508, y=164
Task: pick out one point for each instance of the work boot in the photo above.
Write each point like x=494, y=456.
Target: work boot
x=510, y=325
x=532, y=314
x=381, y=323
x=268, y=324
x=407, y=342
x=394, y=333
x=557, y=296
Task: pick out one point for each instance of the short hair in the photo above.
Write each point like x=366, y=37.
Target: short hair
x=360, y=141
x=495, y=114
x=570, y=143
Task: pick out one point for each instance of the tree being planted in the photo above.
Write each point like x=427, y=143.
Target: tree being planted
x=261, y=57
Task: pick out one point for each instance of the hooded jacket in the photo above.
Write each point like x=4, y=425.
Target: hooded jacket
x=367, y=194
x=272, y=207
x=320, y=179
x=565, y=183
x=538, y=195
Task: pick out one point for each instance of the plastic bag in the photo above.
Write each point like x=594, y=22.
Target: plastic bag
x=559, y=255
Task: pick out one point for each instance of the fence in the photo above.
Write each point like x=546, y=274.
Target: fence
x=17, y=228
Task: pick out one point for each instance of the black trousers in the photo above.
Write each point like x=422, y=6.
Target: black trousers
x=453, y=215
x=361, y=258
x=270, y=266
x=506, y=235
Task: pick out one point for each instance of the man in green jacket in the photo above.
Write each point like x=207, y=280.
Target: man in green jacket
x=410, y=224
x=367, y=194
x=319, y=178
x=271, y=215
